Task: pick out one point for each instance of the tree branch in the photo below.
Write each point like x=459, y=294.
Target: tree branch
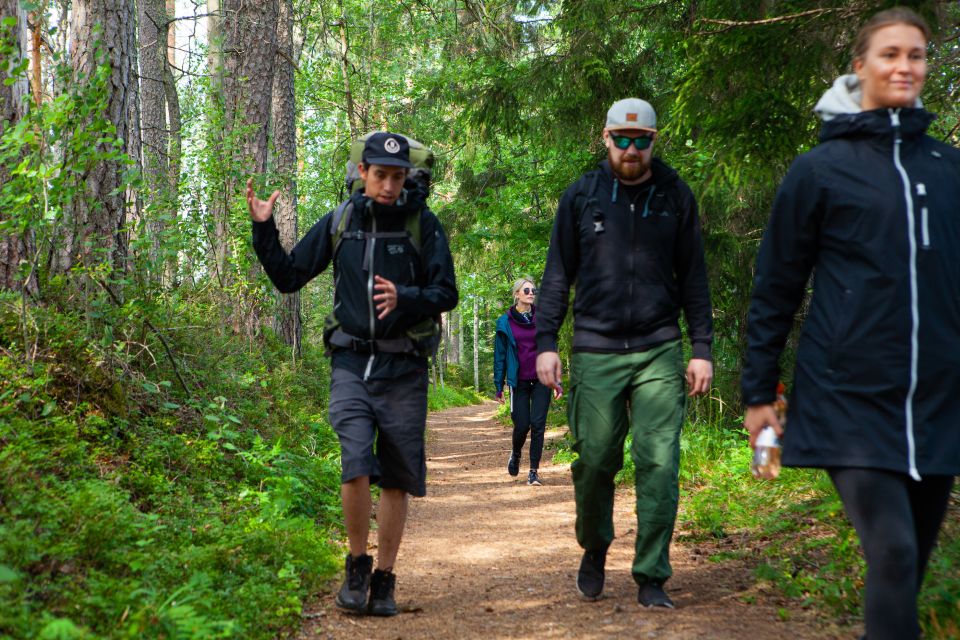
x=156, y=331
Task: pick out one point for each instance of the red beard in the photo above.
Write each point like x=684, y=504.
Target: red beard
x=628, y=171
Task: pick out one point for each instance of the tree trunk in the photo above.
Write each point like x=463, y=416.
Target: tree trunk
x=345, y=71
x=250, y=48
x=287, y=321
x=476, y=343
x=93, y=219
x=461, y=343
x=219, y=242
x=16, y=249
x=154, y=126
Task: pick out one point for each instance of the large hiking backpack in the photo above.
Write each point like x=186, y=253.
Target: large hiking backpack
x=422, y=338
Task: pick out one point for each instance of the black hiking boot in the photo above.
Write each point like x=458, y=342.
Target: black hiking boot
x=381, y=594
x=590, y=577
x=651, y=594
x=513, y=464
x=353, y=592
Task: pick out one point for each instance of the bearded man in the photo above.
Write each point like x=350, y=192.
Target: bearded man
x=627, y=236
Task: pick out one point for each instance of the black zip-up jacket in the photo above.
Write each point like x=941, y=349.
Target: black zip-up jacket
x=633, y=278
x=877, y=381
x=426, y=285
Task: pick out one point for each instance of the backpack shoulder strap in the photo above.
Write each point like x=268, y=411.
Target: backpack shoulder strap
x=586, y=201
x=412, y=226
x=339, y=223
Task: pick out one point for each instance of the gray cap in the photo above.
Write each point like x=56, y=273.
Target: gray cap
x=631, y=113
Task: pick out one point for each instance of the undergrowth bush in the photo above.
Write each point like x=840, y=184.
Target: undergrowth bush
x=132, y=509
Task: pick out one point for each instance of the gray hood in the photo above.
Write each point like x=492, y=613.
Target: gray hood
x=843, y=98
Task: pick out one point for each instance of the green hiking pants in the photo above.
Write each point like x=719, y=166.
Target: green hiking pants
x=608, y=393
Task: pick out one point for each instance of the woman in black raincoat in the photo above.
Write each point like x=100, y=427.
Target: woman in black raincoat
x=874, y=213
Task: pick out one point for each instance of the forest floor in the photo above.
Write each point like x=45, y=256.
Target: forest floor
x=486, y=556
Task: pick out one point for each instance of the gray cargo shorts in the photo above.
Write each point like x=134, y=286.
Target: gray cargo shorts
x=381, y=424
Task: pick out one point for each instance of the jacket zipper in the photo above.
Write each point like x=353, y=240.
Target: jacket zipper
x=924, y=214
x=914, y=295
x=373, y=318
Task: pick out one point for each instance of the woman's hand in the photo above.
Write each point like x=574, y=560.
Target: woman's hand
x=758, y=417
x=499, y=397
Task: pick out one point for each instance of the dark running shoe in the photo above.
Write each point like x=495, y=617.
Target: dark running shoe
x=381, y=594
x=533, y=478
x=590, y=576
x=353, y=593
x=651, y=594
x=513, y=464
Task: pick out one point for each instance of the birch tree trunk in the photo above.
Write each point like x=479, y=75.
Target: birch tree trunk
x=461, y=343
x=16, y=249
x=287, y=321
x=476, y=343
x=219, y=242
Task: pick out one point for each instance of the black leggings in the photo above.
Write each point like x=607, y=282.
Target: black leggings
x=897, y=519
x=528, y=409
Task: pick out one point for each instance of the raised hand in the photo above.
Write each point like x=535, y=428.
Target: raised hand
x=260, y=210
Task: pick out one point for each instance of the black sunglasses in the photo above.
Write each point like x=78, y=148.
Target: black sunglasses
x=623, y=142
x=528, y=290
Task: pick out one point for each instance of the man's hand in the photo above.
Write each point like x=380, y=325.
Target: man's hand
x=260, y=210
x=699, y=376
x=549, y=370
x=758, y=417
x=386, y=299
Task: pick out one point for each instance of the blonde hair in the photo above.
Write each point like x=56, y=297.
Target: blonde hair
x=890, y=17
x=518, y=284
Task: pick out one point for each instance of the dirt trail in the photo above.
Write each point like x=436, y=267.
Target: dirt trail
x=486, y=556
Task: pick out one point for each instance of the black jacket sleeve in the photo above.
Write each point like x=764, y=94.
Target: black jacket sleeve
x=560, y=272
x=310, y=256
x=787, y=255
x=440, y=293
x=691, y=271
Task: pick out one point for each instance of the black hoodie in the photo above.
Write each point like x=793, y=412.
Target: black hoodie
x=426, y=285
x=634, y=271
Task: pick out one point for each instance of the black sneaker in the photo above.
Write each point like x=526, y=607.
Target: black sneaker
x=651, y=594
x=381, y=594
x=513, y=464
x=590, y=576
x=353, y=593
x=533, y=479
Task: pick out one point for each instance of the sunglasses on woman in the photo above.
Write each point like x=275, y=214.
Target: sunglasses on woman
x=528, y=291
x=623, y=142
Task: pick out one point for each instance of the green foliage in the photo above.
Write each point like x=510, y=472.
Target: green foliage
x=180, y=520
x=448, y=396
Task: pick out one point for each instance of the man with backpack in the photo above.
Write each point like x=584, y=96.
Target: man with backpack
x=627, y=235
x=393, y=276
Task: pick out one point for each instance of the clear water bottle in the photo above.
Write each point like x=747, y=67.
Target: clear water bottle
x=766, y=454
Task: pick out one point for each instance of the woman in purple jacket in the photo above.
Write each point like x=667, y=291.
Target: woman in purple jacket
x=515, y=361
